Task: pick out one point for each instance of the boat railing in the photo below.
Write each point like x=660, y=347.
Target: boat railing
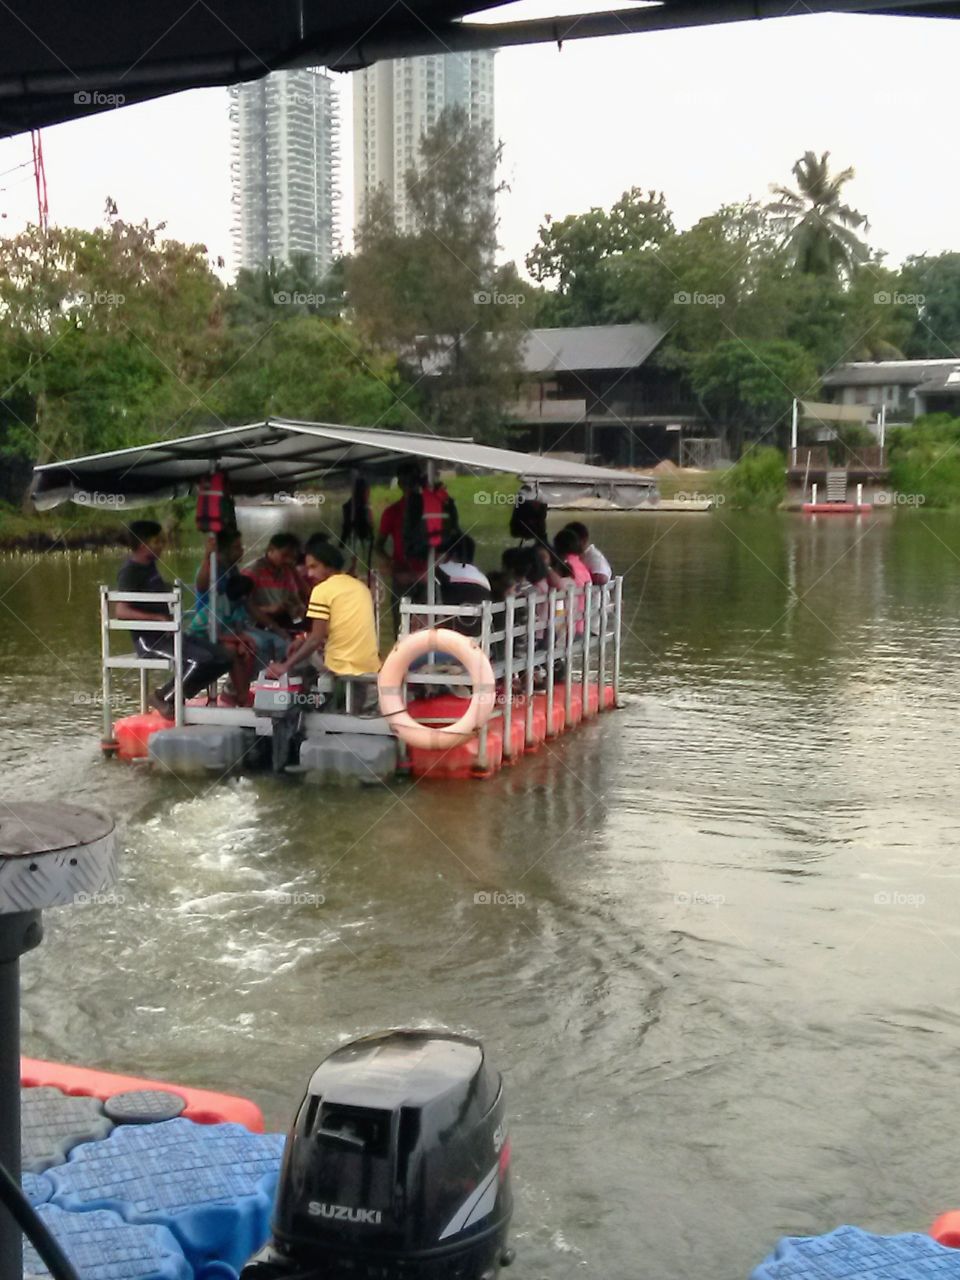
x=111, y=662
x=549, y=642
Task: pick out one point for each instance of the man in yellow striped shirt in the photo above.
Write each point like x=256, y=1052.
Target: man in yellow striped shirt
x=341, y=617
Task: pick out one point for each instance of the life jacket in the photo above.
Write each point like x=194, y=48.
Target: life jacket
x=429, y=519
x=215, y=509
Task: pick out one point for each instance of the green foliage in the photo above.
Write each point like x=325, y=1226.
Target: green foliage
x=925, y=460
x=434, y=294
x=936, y=281
x=752, y=385
x=757, y=482
x=819, y=229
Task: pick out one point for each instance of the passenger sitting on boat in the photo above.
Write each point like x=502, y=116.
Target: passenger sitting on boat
x=278, y=594
x=596, y=562
x=460, y=582
x=203, y=663
x=342, y=639
x=567, y=546
x=235, y=634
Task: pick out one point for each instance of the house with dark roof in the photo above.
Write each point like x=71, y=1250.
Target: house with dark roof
x=594, y=391
x=908, y=388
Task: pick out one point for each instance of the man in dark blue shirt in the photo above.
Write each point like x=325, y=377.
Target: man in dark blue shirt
x=203, y=663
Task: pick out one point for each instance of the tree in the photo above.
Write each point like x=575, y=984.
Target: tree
x=106, y=336
x=749, y=387
x=579, y=254
x=434, y=294
x=934, y=282
x=819, y=229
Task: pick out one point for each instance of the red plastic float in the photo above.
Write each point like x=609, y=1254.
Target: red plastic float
x=836, y=508
x=203, y=1105
x=132, y=733
x=946, y=1229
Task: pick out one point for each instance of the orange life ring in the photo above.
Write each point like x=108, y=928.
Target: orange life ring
x=390, y=687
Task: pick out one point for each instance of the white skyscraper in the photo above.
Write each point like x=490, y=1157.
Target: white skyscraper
x=395, y=102
x=284, y=168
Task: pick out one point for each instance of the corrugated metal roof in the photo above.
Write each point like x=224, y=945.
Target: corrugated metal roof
x=591, y=346
x=269, y=457
x=908, y=373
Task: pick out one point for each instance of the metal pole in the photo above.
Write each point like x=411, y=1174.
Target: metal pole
x=813, y=493
x=509, y=623
x=528, y=735
x=585, y=667
x=602, y=659
x=793, y=435
x=18, y=933
x=212, y=598
x=178, y=655
x=568, y=654
x=106, y=690
x=617, y=614
x=883, y=425
x=485, y=629
x=551, y=655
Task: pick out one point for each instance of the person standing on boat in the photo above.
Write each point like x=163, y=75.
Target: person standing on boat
x=203, y=663
x=406, y=573
x=342, y=639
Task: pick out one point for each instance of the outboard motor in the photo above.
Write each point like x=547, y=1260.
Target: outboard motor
x=397, y=1167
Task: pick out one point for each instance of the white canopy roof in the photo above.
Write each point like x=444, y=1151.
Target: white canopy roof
x=269, y=457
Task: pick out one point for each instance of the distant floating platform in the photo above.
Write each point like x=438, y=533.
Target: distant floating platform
x=836, y=508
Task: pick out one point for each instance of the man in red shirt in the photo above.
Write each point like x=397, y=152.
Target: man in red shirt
x=406, y=575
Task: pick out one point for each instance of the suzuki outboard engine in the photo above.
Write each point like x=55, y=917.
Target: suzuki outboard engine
x=397, y=1167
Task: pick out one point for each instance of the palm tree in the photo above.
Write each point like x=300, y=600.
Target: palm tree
x=819, y=230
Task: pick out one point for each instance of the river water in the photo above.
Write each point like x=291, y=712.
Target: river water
x=725, y=1007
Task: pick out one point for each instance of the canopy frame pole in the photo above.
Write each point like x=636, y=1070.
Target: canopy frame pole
x=483, y=750
x=178, y=656
x=793, y=433
x=106, y=680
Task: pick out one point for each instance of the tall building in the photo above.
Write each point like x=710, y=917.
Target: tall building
x=284, y=168
x=395, y=102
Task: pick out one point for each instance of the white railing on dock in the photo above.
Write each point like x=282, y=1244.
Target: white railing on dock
x=579, y=626
x=111, y=662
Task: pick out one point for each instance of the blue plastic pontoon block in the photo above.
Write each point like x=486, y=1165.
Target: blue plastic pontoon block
x=851, y=1254
x=102, y=1246
x=52, y=1123
x=36, y=1188
x=212, y=1184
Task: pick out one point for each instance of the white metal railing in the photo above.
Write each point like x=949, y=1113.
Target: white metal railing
x=527, y=633
x=133, y=661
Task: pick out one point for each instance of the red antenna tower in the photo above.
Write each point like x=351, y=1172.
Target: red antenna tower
x=40, y=177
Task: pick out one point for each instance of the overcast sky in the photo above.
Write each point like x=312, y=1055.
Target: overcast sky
x=707, y=115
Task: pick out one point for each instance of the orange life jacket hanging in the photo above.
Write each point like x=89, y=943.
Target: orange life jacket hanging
x=215, y=509
x=430, y=517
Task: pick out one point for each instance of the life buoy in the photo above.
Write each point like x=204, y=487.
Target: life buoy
x=390, y=688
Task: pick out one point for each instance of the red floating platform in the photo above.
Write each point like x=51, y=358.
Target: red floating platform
x=836, y=508
x=203, y=1105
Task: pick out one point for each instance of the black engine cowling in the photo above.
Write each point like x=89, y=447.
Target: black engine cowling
x=397, y=1165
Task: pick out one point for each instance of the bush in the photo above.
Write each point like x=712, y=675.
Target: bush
x=925, y=460
x=758, y=482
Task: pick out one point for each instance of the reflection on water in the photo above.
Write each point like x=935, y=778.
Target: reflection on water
x=712, y=940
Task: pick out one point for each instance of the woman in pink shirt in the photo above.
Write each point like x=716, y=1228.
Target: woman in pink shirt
x=567, y=546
